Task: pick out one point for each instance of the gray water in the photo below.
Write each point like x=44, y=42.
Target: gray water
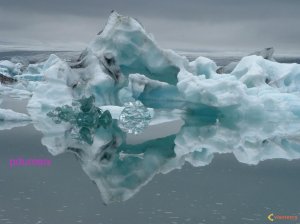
x=224, y=191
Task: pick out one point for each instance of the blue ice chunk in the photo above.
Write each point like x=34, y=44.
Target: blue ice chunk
x=134, y=118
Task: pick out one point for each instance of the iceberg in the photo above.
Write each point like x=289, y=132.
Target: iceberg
x=266, y=53
x=10, y=119
x=17, y=90
x=124, y=83
x=10, y=115
x=255, y=71
x=9, y=68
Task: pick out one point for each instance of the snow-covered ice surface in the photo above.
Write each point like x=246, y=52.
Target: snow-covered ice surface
x=251, y=109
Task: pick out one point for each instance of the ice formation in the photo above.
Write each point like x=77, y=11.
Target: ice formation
x=251, y=110
x=266, y=53
x=9, y=68
x=10, y=115
x=134, y=118
x=7, y=115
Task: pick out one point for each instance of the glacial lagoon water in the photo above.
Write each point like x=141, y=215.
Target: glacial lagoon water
x=221, y=191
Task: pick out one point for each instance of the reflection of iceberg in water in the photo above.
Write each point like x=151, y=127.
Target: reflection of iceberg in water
x=120, y=169
x=252, y=112
x=84, y=116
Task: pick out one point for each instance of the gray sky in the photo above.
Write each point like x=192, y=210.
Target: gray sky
x=212, y=25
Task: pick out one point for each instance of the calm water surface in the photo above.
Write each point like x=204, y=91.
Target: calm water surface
x=225, y=191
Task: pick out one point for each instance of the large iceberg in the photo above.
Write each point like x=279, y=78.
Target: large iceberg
x=266, y=53
x=252, y=111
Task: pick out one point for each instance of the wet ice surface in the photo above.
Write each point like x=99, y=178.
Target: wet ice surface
x=224, y=191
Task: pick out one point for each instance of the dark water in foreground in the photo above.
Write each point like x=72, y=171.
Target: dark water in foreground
x=225, y=191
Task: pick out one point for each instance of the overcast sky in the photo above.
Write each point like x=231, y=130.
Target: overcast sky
x=212, y=25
